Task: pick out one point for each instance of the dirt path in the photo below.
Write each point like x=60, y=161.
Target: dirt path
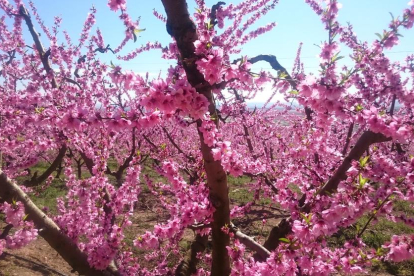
x=36, y=259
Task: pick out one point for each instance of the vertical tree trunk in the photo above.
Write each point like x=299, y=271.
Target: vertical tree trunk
x=180, y=26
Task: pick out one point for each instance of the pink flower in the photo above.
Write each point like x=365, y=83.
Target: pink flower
x=117, y=4
x=391, y=41
x=14, y=213
x=319, y=228
x=301, y=231
x=328, y=51
x=306, y=87
x=401, y=248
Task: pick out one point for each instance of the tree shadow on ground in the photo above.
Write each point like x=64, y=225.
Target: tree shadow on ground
x=28, y=264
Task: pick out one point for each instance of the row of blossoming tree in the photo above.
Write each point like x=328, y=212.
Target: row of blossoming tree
x=345, y=148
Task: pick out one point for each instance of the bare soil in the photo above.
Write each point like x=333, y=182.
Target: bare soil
x=36, y=259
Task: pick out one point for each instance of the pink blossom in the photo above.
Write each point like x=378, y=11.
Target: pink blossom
x=117, y=4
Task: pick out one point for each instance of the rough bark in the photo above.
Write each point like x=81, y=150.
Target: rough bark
x=180, y=26
x=49, y=230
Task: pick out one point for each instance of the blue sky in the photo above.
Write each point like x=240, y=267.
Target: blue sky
x=296, y=23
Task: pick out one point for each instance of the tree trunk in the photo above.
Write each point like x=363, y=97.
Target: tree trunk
x=180, y=26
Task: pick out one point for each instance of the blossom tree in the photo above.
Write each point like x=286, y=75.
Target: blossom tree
x=343, y=152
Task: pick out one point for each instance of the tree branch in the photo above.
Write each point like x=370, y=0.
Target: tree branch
x=272, y=240
x=250, y=243
x=88, y=162
x=213, y=15
x=348, y=138
x=35, y=181
x=276, y=66
x=118, y=174
x=44, y=56
x=49, y=230
x=6, y=231
x=364, y=142
x=192, y=159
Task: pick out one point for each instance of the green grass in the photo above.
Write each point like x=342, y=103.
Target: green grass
x=404, y=207
x=47, y=198
x=375, y=236
x=382, y=232
x=238, y=190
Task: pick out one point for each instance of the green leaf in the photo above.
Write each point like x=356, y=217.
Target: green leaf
x=380, y=251
x=362, y=181
x=284, y=240
x=25, y=217
x=307, y=218
x=242, y=61
x=112, y=65
x=135, y=32
x=282, y=75
x=358, y=107
x=362, y=254
x=379, y=36
x=363, y=161
x=336, y=57
x=352, y=261
x=294, y=92
x=39, y=110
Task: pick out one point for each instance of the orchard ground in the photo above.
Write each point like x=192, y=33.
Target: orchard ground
x=39, y=258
